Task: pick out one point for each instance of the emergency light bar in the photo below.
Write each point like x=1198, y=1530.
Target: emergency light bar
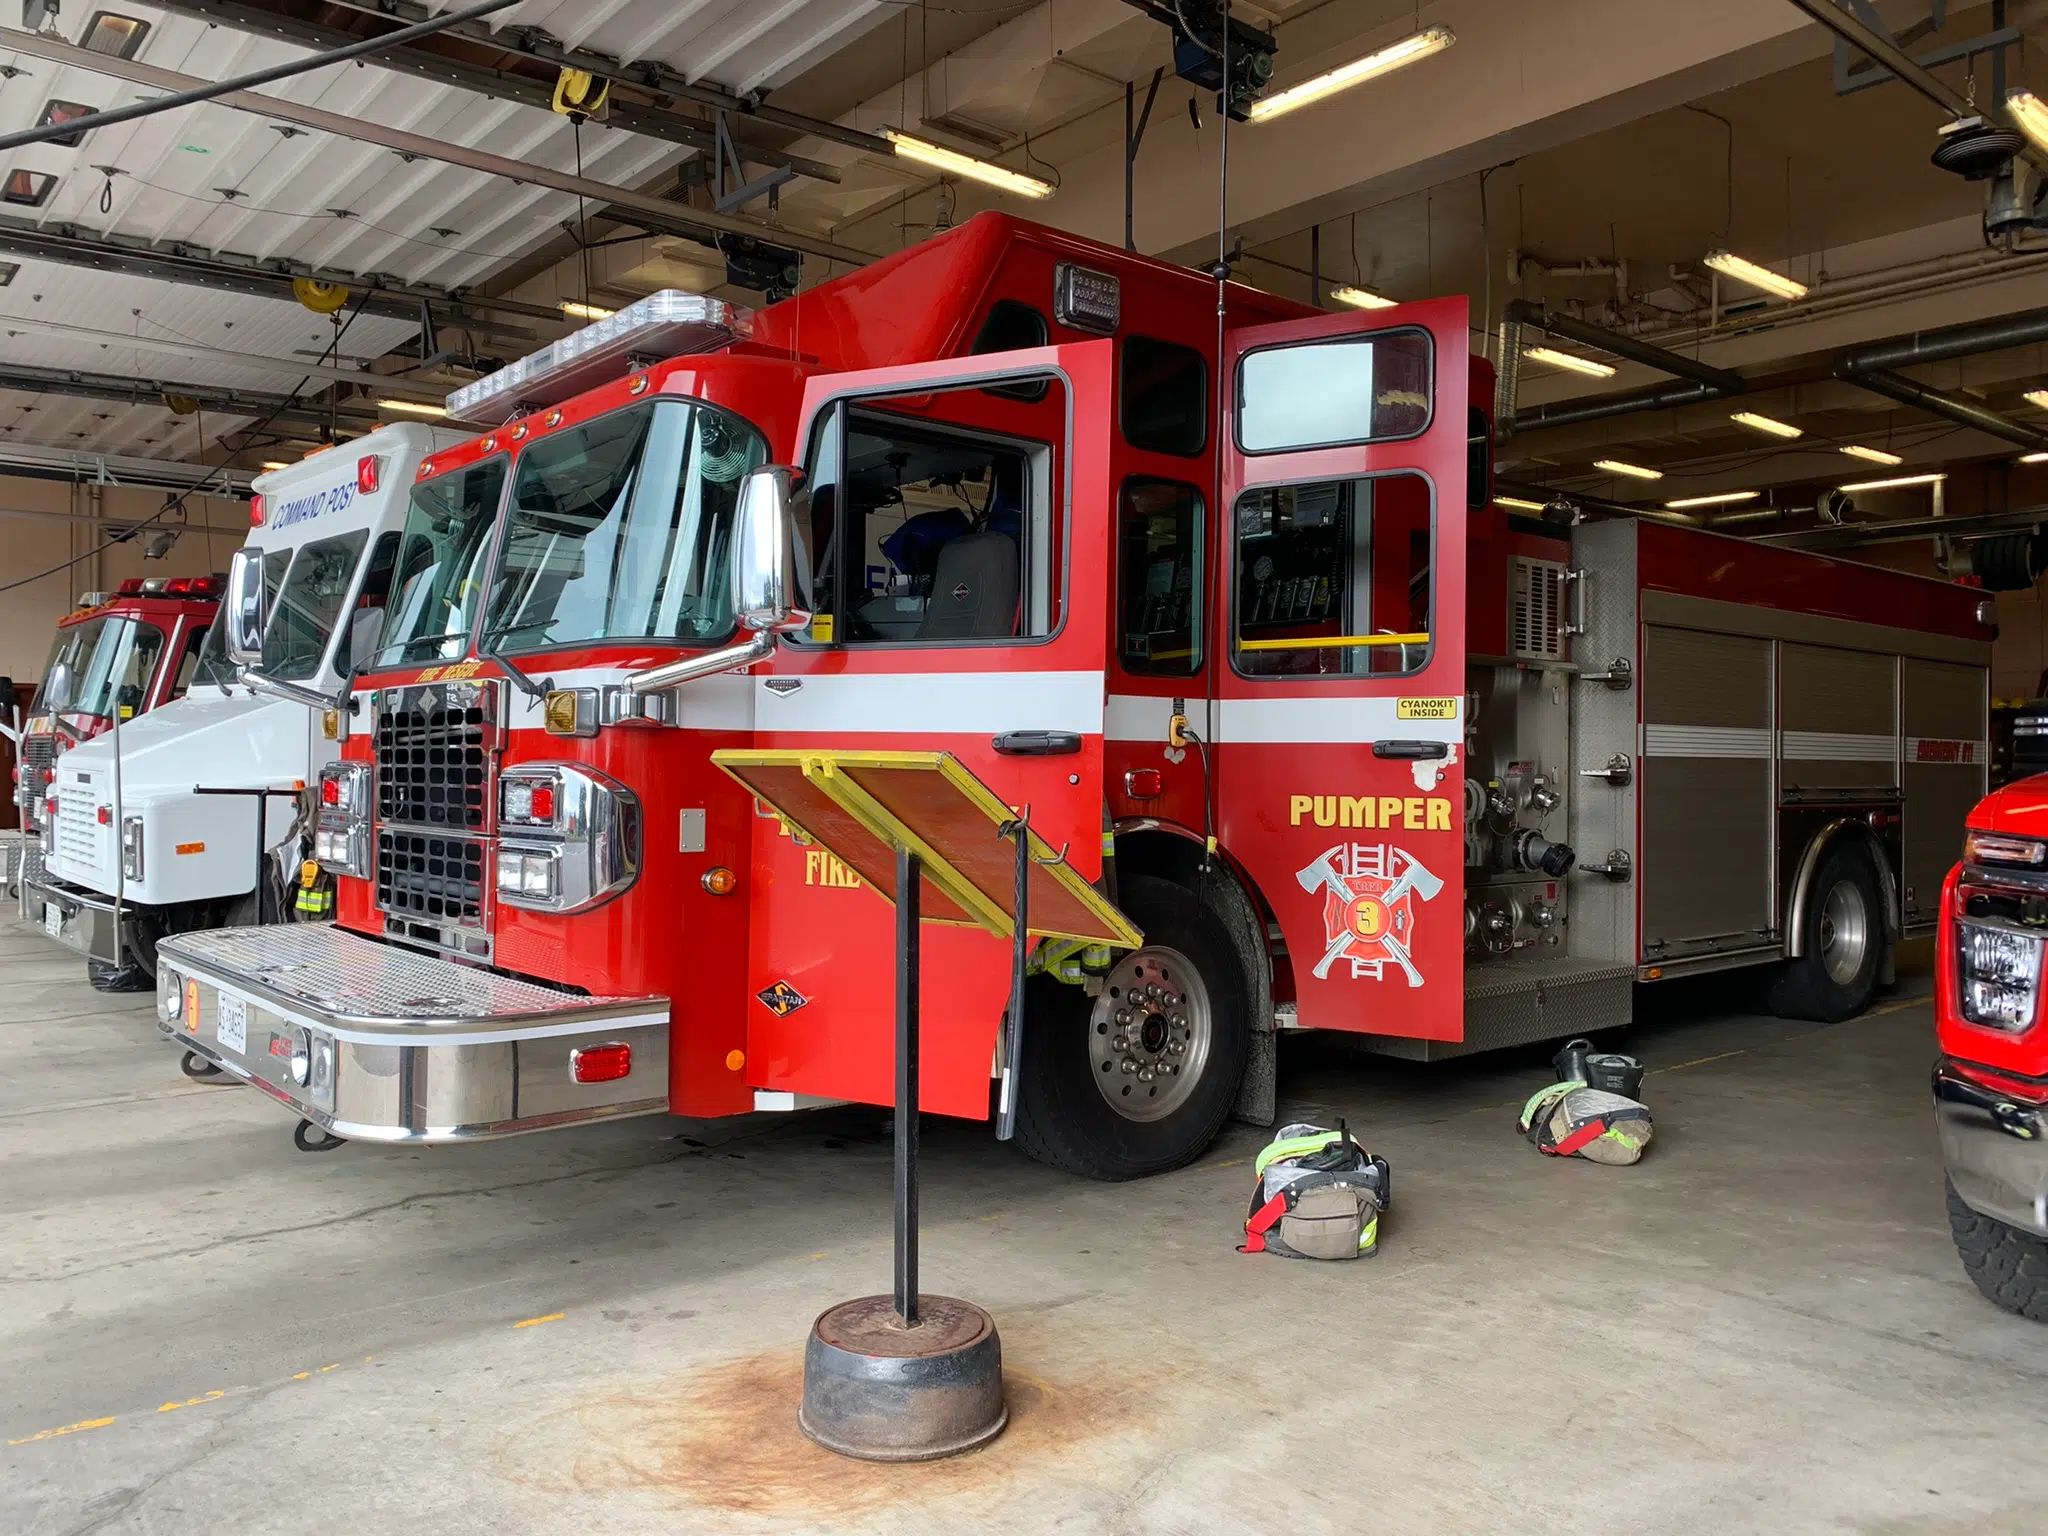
x=670, y=323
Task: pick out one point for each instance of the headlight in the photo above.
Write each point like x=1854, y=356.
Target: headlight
x=1998, y=973
x=341, y=838
x=131, y=847
x=2000, y=848
x=578, y=837
x=170, y=994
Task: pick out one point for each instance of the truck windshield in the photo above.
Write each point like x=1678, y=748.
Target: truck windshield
x=108, y=663
x=622, y=529
x=215, y=670
x=308, y=604
x=440, y=564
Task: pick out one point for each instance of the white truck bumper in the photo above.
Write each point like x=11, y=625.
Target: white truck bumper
x=372, y=1042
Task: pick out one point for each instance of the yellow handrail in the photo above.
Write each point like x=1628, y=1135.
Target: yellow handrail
x=1324, y=642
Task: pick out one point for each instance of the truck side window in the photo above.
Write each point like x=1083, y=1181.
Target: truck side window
x=1334, y=578
x=309, y=604
x=1349, y=389
x=1159, y=577
x=932, y=519
x=1012, y=326
x=188, y=663
x=1163, y=396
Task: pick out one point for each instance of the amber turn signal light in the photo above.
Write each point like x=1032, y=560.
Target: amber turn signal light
x=720, y=881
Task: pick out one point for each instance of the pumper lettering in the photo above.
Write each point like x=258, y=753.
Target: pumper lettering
x=1412, y=813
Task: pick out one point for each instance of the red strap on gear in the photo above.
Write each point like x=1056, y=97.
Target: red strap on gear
x=1591, y=1131
x=1262, y=1221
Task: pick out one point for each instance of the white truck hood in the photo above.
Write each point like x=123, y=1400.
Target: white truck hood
x=195, y=847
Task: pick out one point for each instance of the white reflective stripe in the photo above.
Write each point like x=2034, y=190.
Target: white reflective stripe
x=1351, y=721
x=1838, y=747
x=1946, y=749
x=932, y=703
x=1141, y=716
x=1706, y=741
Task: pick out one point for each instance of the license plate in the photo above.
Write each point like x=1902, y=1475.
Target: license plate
x=53, y=920
x=231, y=1029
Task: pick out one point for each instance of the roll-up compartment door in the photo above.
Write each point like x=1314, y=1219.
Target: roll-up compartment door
x=1706, y=794
x=1840, y=721
x=1942, y=710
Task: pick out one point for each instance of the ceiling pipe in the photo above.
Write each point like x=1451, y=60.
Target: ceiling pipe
x=277, y=109
x=1949, y=343
x=1906, y=530
x=1957, y=408
x=1527, y=312
x=1602, y=504
x=1567, y=413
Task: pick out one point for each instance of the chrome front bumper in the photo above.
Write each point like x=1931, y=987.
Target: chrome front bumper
x=373, y=1042
x=78, y=919
x=1995, y=1146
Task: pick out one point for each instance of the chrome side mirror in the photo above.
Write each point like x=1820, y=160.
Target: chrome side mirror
x=57, y=688
x=765, y=590
x=244, y=612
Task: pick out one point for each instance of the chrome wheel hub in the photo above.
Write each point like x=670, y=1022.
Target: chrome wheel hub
x=1844, y=932
x=1148, y=1036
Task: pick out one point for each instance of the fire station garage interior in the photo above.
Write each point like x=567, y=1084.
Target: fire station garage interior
x=1385, y=658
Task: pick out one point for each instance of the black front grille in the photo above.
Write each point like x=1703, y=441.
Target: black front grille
x=425, y=876
x=432, y=762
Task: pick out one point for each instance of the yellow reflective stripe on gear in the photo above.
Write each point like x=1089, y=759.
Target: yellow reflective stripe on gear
x=1370, y=1235
x=1294, y=1146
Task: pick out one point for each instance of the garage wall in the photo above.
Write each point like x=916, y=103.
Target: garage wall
x=30, y=543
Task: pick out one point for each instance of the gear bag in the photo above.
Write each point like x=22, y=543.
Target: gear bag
x=1572, y=1120
x=1318, y=1195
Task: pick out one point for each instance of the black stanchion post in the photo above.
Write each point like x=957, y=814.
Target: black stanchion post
x=1020, y=964
x=909, y=874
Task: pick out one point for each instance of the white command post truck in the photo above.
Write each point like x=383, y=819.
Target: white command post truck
x=154, y=830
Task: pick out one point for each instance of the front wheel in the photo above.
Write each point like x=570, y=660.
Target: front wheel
x=1844, y=942
x=2009, y=1266
x=1140, y=1079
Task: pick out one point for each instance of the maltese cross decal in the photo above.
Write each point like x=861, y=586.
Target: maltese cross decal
x=1369, y=893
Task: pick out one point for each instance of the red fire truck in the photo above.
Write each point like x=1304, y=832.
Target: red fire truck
x=1991, y=1080
x=124, y=652
x=1325, y=722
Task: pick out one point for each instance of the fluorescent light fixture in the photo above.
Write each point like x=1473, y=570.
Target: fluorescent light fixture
x=2034, y=458
x=271, y=464
x=1518, y=504
x=2037, y=397
x=576, y=311
x=1718, y=499
x=1556, y=359
x=1766, y=424
x=1362, y=298
x=1874, y=455
x=1728, y=264
x=1410, y=49
x=2030, y=113
x=1897, y=482
x=415, y=407
x=1633, y=471
x=940, y=158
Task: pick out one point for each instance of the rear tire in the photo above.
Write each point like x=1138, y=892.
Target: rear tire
x=2009, y=1266
x=1844, y=942
x=1077, y=1108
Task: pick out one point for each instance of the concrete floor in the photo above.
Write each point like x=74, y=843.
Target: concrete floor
x=1760, y=1328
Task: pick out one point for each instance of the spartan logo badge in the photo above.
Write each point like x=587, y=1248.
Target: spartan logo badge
x=781, y=999
x=1369, y=892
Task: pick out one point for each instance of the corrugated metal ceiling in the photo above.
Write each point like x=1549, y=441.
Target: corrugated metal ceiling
x=224, y=180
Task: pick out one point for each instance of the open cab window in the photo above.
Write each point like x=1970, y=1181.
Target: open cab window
x=932, y=518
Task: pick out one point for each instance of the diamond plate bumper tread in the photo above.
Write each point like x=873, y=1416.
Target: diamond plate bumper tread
x=323, y=975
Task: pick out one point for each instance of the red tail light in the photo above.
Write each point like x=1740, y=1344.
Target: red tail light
x=50, y=807
x=601, y=1063
x=106, y=815
x=330, y=791
x=368, y=469
x=255, y=511
x=543, y=802
x=1144, y=783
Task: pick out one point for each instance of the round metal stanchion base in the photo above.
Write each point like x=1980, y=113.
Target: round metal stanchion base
x=876, y=1390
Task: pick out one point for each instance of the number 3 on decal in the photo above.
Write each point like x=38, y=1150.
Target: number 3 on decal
x=1368, y=917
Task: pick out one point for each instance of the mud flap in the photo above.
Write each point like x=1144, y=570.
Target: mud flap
x=1258, y=1094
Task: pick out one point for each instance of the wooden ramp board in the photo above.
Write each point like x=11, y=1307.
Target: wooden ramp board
x=862, y=806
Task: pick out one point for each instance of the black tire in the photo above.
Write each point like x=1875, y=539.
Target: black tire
x=1844, y=942
x=2009, y=1266
x=1063, y=1117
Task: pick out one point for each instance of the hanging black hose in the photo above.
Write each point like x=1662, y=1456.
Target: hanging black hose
x=64, y=128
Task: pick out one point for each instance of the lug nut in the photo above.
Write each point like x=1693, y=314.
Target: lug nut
x=1129, y=1065
x=1119, y=1044
x=1147, y=1075
x=1177, y=1047
x=1123, y=1016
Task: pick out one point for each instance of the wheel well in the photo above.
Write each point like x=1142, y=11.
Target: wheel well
x=1816, y=850
x=1176, y=856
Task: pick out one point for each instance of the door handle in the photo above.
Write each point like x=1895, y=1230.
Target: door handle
x=1037, y=743
x=1419, y=751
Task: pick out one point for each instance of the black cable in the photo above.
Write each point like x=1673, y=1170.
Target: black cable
x=65, y=128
